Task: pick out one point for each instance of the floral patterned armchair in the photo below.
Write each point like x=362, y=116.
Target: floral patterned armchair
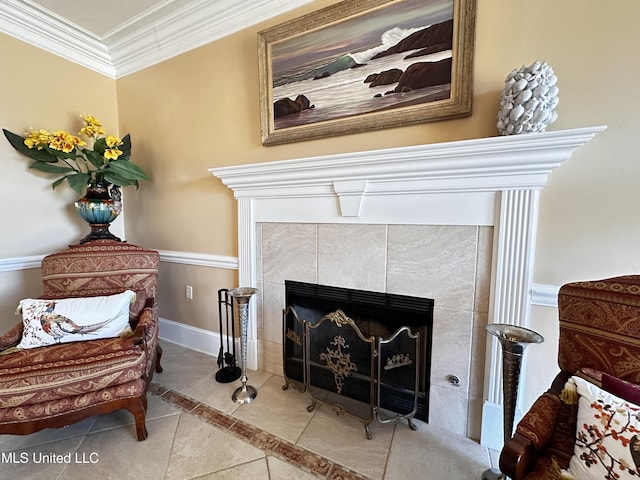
x=599, y=333
x=56, y=385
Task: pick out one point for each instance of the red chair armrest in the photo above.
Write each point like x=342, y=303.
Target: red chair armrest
x=12, y=337
x=532, y=435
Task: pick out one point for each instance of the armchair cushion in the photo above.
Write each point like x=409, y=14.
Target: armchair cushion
x=607, y=435
x=47, y=322
x=34, y=376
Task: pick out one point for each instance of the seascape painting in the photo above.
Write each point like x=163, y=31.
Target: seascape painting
x=372, y=67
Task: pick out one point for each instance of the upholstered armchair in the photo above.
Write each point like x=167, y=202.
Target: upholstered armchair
x=599, y=334
x=62, y=383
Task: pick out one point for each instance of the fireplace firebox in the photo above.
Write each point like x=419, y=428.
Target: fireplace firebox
x=360, y=352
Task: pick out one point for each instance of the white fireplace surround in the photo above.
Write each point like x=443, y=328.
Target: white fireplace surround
x=488, y=182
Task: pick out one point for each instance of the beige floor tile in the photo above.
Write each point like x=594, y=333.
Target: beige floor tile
x=183, y=367
x=31, y=464
x=279, y=470
x=218, y=395
x=156, y=408
x=120, y=455
x=342, y=439
x=447, y=456
x=200, y=449
x=280, y=412
x=48, y=435
x=255, y=470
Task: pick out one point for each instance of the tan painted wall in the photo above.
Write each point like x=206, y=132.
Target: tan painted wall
x=40, y=90
x=200, y=110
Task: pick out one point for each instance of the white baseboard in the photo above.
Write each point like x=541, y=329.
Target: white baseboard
x=492, y=435
x=203, y=341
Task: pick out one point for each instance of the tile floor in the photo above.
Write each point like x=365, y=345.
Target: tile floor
x=197, y=432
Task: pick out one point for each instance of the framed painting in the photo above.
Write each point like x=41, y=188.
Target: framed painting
x=363, y=65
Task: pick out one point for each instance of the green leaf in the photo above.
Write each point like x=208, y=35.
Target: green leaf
x=49, y=168
x=100, y=145
x=126, y=147
x=61, y=154
x=58, y=182
x=127, y=169
x=94, y=157
x=78, y=181
x=119, y=180
x=17, y=142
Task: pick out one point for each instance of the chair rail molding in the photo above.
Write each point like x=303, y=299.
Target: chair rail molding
x=492, y=181
x=20, y=263
x=199, y=259
x=186, y=258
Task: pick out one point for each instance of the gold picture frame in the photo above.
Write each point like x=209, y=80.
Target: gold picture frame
x=317, y=71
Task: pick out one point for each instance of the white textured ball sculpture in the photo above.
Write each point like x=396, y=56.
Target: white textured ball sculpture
x=528, y=100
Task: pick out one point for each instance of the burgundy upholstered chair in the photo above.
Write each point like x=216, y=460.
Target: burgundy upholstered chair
x=56, y=385
x=599, y=332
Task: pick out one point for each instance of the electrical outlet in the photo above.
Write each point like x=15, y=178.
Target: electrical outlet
x=188, y=292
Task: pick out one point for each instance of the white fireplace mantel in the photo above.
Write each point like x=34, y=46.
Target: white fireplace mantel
x=491, y=181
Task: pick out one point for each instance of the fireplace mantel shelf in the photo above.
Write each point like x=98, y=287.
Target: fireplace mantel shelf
x=484, y=182
x=487, y=164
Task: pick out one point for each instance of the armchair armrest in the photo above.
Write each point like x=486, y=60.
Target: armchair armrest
x=145, y=335
x=12, y=337
x=532, y=435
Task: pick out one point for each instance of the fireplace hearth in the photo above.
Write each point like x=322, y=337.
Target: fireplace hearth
x=361, y=352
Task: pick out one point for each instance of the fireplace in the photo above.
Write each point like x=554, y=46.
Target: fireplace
x=491, y=185
x=389, y=365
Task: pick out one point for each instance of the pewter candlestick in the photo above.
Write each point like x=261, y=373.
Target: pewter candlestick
x=245, y=393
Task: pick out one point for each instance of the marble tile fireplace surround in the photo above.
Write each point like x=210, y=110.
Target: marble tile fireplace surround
x=453, y=221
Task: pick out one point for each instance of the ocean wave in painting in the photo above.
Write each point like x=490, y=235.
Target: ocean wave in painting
x=349, y=60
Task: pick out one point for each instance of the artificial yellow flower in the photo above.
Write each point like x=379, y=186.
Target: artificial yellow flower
x=38, y=138
x=92, y=126
x=64, y=141
x=61, y=153
x=112, y=153
x=113, y=141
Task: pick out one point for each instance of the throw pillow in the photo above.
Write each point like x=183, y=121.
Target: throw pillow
x=607, y=442
x=47, y=322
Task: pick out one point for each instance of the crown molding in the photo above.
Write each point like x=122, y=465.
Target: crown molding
x=165, y=31
x=54, y=34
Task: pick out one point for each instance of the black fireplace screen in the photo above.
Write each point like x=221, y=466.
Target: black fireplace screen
x=376, y=362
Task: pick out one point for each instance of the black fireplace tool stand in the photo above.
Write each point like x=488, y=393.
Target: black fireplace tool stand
x=336, y=365
x=228, y=371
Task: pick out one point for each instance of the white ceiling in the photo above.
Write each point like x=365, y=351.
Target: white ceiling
x=98, y=16
x=119, y=37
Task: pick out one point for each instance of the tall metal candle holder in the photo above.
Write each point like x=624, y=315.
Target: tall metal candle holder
x=513, y=340
x=245, y=393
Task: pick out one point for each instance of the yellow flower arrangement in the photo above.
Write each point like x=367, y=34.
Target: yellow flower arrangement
x=61, y=153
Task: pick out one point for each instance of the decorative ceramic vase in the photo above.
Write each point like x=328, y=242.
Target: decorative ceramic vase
x=528, y=100
x=99, y=207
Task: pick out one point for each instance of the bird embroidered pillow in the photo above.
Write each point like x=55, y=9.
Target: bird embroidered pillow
x=48, y=322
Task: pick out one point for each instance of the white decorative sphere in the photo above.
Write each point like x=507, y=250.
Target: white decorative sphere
x=528, y=100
